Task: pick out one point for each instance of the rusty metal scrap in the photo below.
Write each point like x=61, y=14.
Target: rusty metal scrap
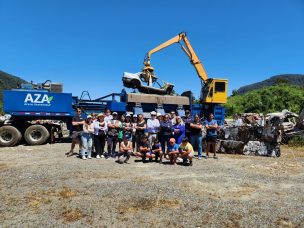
x=250, y=140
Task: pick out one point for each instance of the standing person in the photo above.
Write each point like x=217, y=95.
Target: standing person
x=108, y=116
x=94, y=118
x=120, y=131
x=140, y=129
x=152, y=128
x=86, y=137
x=187, y=120
x=178, y=130
x=173, y=117
x=134, y=122
x=100, y=129
x=196, y=134
x=186, y=151
x=113, y=128
x=165, y=131
x=77, y=126
x=237, y=120
x=172, y=151
x=125, y=150
x=211, y=126
x=159, y=116
x=127, y=127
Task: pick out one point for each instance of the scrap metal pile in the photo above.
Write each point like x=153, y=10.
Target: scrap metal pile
x=250, y=140
x=261, y=135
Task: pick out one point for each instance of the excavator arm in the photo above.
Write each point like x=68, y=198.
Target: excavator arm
x=187, y=48
x=213, y=91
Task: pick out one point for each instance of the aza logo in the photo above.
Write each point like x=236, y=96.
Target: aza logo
x=38, y=98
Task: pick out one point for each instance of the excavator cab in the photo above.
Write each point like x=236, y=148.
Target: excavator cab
x=214, y=91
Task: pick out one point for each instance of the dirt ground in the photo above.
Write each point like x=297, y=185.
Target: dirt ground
x=40, y=186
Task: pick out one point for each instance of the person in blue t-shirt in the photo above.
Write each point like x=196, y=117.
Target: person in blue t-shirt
x=172, y=151
x=157, y=150
x=211, y=126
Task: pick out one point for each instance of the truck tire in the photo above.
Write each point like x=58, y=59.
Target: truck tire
x=9, y=136
x=36, y=134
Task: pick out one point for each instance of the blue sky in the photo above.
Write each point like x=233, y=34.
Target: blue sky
x=87, y=45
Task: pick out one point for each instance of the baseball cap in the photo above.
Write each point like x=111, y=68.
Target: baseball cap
x=128, y=115
x=158, y=114
x=100, y=114
x=114, y=113
x=89, y=116
x=153, y=113
x=134, y=115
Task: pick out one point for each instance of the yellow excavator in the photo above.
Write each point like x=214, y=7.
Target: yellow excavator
x=213, y=91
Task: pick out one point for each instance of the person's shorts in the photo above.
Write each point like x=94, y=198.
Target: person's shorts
x=190, y=154
x=211, y=139
x=76, y=135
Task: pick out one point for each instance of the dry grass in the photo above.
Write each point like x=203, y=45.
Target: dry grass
x=72, y=215
x=67, y=193
x=36, y=198
x=143, y=204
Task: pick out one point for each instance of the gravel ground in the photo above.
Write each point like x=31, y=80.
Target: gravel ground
x=40, y=186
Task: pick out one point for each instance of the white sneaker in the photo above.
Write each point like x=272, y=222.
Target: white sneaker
x=97, y=156
x=101, y=156
x=84, y=157
x=89, y=157
x=179, y=159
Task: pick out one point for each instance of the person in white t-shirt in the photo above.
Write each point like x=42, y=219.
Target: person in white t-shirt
x=152, y=128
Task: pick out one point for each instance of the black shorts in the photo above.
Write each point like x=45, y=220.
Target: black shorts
x=211, y=138
x=76, y=135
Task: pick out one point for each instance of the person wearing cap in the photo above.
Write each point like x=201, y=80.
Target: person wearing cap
x=187, y=119
x=152, y=127
x=100, y=129
x=178, y=130
x=125, y=150
x=165, y=131
x=196, y=134
x=172, y=151
x=140, y=129
x=113, y=128
x=173, y=117
x=134, y=122
x=77, y=126
x=157, y=151
x=159, y=116
x=186, y=151
x=86, y=137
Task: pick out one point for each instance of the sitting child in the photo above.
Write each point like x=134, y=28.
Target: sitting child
x=186, y=151
x=157, y=151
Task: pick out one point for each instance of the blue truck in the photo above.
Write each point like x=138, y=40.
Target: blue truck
x=35, y=113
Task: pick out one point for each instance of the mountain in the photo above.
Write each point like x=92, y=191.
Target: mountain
x=8, y=81
x=291, y=79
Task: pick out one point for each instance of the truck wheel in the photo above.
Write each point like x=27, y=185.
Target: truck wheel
x=36, y=135
x=9, y=136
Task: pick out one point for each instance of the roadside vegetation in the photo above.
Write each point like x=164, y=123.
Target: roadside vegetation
x=268, y=99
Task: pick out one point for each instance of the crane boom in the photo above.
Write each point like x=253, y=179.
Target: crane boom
x=187, y=48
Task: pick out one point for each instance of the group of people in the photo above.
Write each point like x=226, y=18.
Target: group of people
x=167, y=136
